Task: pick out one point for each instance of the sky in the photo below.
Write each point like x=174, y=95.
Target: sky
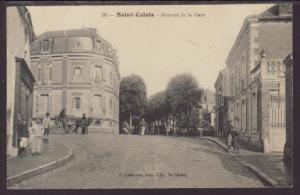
x=158, y=48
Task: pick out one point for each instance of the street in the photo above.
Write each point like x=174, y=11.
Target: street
x=133, y=161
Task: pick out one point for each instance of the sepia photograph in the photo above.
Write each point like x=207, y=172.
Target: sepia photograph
x=149, y=96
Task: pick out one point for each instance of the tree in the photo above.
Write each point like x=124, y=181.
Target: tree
x=183, y=94
x=133, y=97
x=157, y=109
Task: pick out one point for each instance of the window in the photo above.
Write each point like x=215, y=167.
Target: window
x=98, y=74
x=44, y=73
x=243, y=110
x=44, y=103
x=232, y=84
x=98, y=46
x=76, y=44
x=110, y=105
x=50, y=73
x=37, y=103
x=254, y=111
x=111, y=77
x=40, y=72
x=244, y=72
x=97, y=103
x=77, y=103
x=77, y=72
x=45, y=45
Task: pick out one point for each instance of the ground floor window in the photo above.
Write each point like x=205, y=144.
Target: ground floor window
x=76, y=103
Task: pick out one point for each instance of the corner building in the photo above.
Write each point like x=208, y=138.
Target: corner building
x=76, y=70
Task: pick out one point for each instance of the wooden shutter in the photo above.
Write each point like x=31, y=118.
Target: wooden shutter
x=50, y=73
x=50, y=103
x=103, y=104
x=37, y=103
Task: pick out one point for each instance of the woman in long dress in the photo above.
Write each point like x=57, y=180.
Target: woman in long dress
x=37, y=132
x=143, y=127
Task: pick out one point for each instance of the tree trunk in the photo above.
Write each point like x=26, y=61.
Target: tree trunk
x=130, y=123
x=173, y=123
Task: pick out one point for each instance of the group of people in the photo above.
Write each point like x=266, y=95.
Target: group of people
x=142, y=125
x=232, y=138
x=38, y=133
x=34, y=135
x=83, y=123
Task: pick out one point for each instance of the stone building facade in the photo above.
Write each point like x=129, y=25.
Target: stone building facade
x=76, y=70
x=20, y=80
x=256, y=78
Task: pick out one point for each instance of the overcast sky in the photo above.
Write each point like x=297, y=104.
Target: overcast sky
x=160, y=47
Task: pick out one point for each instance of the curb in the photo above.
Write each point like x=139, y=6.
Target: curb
x=215, y=141
x=252, y=168
x=261, y=175
x=40, y=170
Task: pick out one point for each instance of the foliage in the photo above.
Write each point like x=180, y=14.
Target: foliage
x=183, y=93
x=157, y=107
x=132, y=95
x=181, y=100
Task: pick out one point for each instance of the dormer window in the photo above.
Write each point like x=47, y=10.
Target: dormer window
x=98, y=46
x=46, y=46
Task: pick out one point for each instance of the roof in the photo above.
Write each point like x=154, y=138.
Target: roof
x=283, y=9
x=84, y=32
x=59, y=46
x=278, y=12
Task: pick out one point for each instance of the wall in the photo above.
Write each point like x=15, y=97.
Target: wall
x=17, y=46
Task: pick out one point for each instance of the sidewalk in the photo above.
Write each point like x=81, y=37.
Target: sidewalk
x=269, y=165
x=52, y=155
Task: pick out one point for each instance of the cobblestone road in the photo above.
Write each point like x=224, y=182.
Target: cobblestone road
x=132, y=161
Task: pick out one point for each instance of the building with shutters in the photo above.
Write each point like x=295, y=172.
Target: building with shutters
x=257, y=80
x=76, y=70
x=19, y=77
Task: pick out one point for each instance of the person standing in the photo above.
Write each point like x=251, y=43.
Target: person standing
x=235, y=141
x=23, y=138
x=84, y=123
x=229, y=136
x=62, y=117
x=37, y=131
x=125, y=127
x=143, y=126
x=46, y=127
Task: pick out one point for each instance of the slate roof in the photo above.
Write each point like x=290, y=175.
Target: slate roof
x=283, y=9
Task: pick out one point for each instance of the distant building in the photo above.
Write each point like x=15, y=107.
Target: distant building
x=288, y=148
x=222, y=103
x=256, y=78
x=19, y=78
x=76, y=70
x=207, y=107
